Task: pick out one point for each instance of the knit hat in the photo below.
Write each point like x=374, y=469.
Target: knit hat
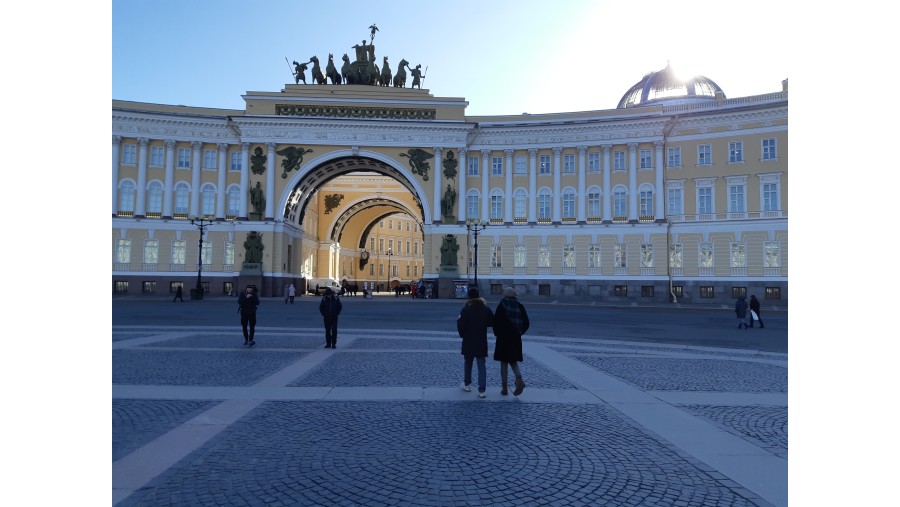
x=473, y=292
x=509, y=292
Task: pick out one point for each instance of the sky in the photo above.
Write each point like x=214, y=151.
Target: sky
x=502, y=56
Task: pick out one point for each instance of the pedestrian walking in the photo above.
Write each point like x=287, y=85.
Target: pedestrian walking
x=740, y=309
x=179, y=295
x=291, y=293
x=510, y=323
x=754, y=307
x=247, y=303
x=330, y=308
x=472, y=324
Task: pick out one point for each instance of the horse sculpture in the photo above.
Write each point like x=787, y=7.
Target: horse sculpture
x=400, y=78
x=385, y=79
x=346, y=69
x=331, y=71
x=317, y=75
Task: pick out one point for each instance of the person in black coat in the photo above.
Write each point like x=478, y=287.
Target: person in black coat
x=510, y=323
x=247, y=303
x=330, y=308
x=740, y=309
x=472, y=324
x=754, y=305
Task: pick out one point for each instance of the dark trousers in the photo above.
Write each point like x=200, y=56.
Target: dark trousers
x=330, y=330
x=760, y=319
x=248, y=320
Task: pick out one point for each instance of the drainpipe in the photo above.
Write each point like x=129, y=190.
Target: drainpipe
x=666, y=131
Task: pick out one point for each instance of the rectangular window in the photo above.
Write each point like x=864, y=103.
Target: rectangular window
x=472, y=207
x=646, y=291
x=157, y=157
x=179, y=248
x=735, y=152
x=209, y=159
x=678, y=291
x=521, y=164
x=184, y=158
x=646, y=159
x=148, y=287
x=227, y=288
x=737, y=292
x=568, y=256
x=646, y=256
x=619, y=260
x=519, y=205
x=497, y=166
x=519, y=256
x=736, y=199
x=594, y=256
x=620, y=204
x=496, y=256
x=769, y=151
x=120, y=287
x=569, y=164
x=568, y=203
x=704, y=154
x=676, y=204
x=473, y=166
x=770, y=197
x=738, y=256
x=673, y=157
x=773, y=292
x=129, y=154
x=545, y=165
x=620, y=291
x=206, y=254
x=706, y=255
x=544, y=206
x=646, y=203
x=123, y=251
x=619, y=161
x=235, y=161
x=593, y=162
x=705, y=201
x=707, y=291
x=173, y=287
x=151, y=251
x=496, y=207
x=544, y=257
x=593, y=205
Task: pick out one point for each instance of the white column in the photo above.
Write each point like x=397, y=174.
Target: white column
x=270, y=181
x=195, y=179
x=607, y=190
x=461, y=194
x=116, y=143
x=660, y=191
x=508, y=198
x=169, y=189
x=557, y=210
x=141, y=197
x=632, y=182
x=485, y=185
x=220, y=185
x=581, y=210
x=436, y=205
x=532, y=185
x=245, y=178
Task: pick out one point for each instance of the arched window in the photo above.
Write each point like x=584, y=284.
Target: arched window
x=182, y=198
x=544, y=201
x=646, y=198
x=520, y=204
x=126, y=196
x=208, y=200
x=620, y=201
x=234, y=201
x=154, y=197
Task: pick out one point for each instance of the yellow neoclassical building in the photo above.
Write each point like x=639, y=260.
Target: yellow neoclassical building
x=678, y=194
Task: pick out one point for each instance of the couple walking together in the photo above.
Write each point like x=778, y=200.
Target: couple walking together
x=509, y=322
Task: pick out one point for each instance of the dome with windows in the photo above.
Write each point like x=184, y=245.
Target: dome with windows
x=665, y=88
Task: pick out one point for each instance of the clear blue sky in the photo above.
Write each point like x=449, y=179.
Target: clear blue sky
x=503, y=56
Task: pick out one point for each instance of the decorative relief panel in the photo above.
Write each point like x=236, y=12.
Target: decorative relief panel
x=390, y=113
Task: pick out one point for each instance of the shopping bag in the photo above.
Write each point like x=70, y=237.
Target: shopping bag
x=754, y=315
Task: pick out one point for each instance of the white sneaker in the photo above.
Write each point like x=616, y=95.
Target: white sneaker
x=482, y=395
x=466, y=388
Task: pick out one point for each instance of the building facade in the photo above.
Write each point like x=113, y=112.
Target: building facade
x=679, y=194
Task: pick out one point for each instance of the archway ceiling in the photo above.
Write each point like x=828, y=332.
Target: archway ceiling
x=296, y=205
x=389, y=206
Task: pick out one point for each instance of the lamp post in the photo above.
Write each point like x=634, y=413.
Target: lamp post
x=390, y=254
x=475, y=226
x=202, y=223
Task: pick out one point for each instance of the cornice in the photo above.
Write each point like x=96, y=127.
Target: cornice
x=569, y=135
x=182, y=129
x=354, y=133
x=732, y=119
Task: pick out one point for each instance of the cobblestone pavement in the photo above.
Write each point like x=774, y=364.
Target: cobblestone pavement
x=199, y=419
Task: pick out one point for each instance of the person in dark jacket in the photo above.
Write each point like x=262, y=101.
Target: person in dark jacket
x=179, y=294
x=330, y=308
x=472, y=324
x=754, y=305
x=510, y=323
x=740, y=309
x=247, y=303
